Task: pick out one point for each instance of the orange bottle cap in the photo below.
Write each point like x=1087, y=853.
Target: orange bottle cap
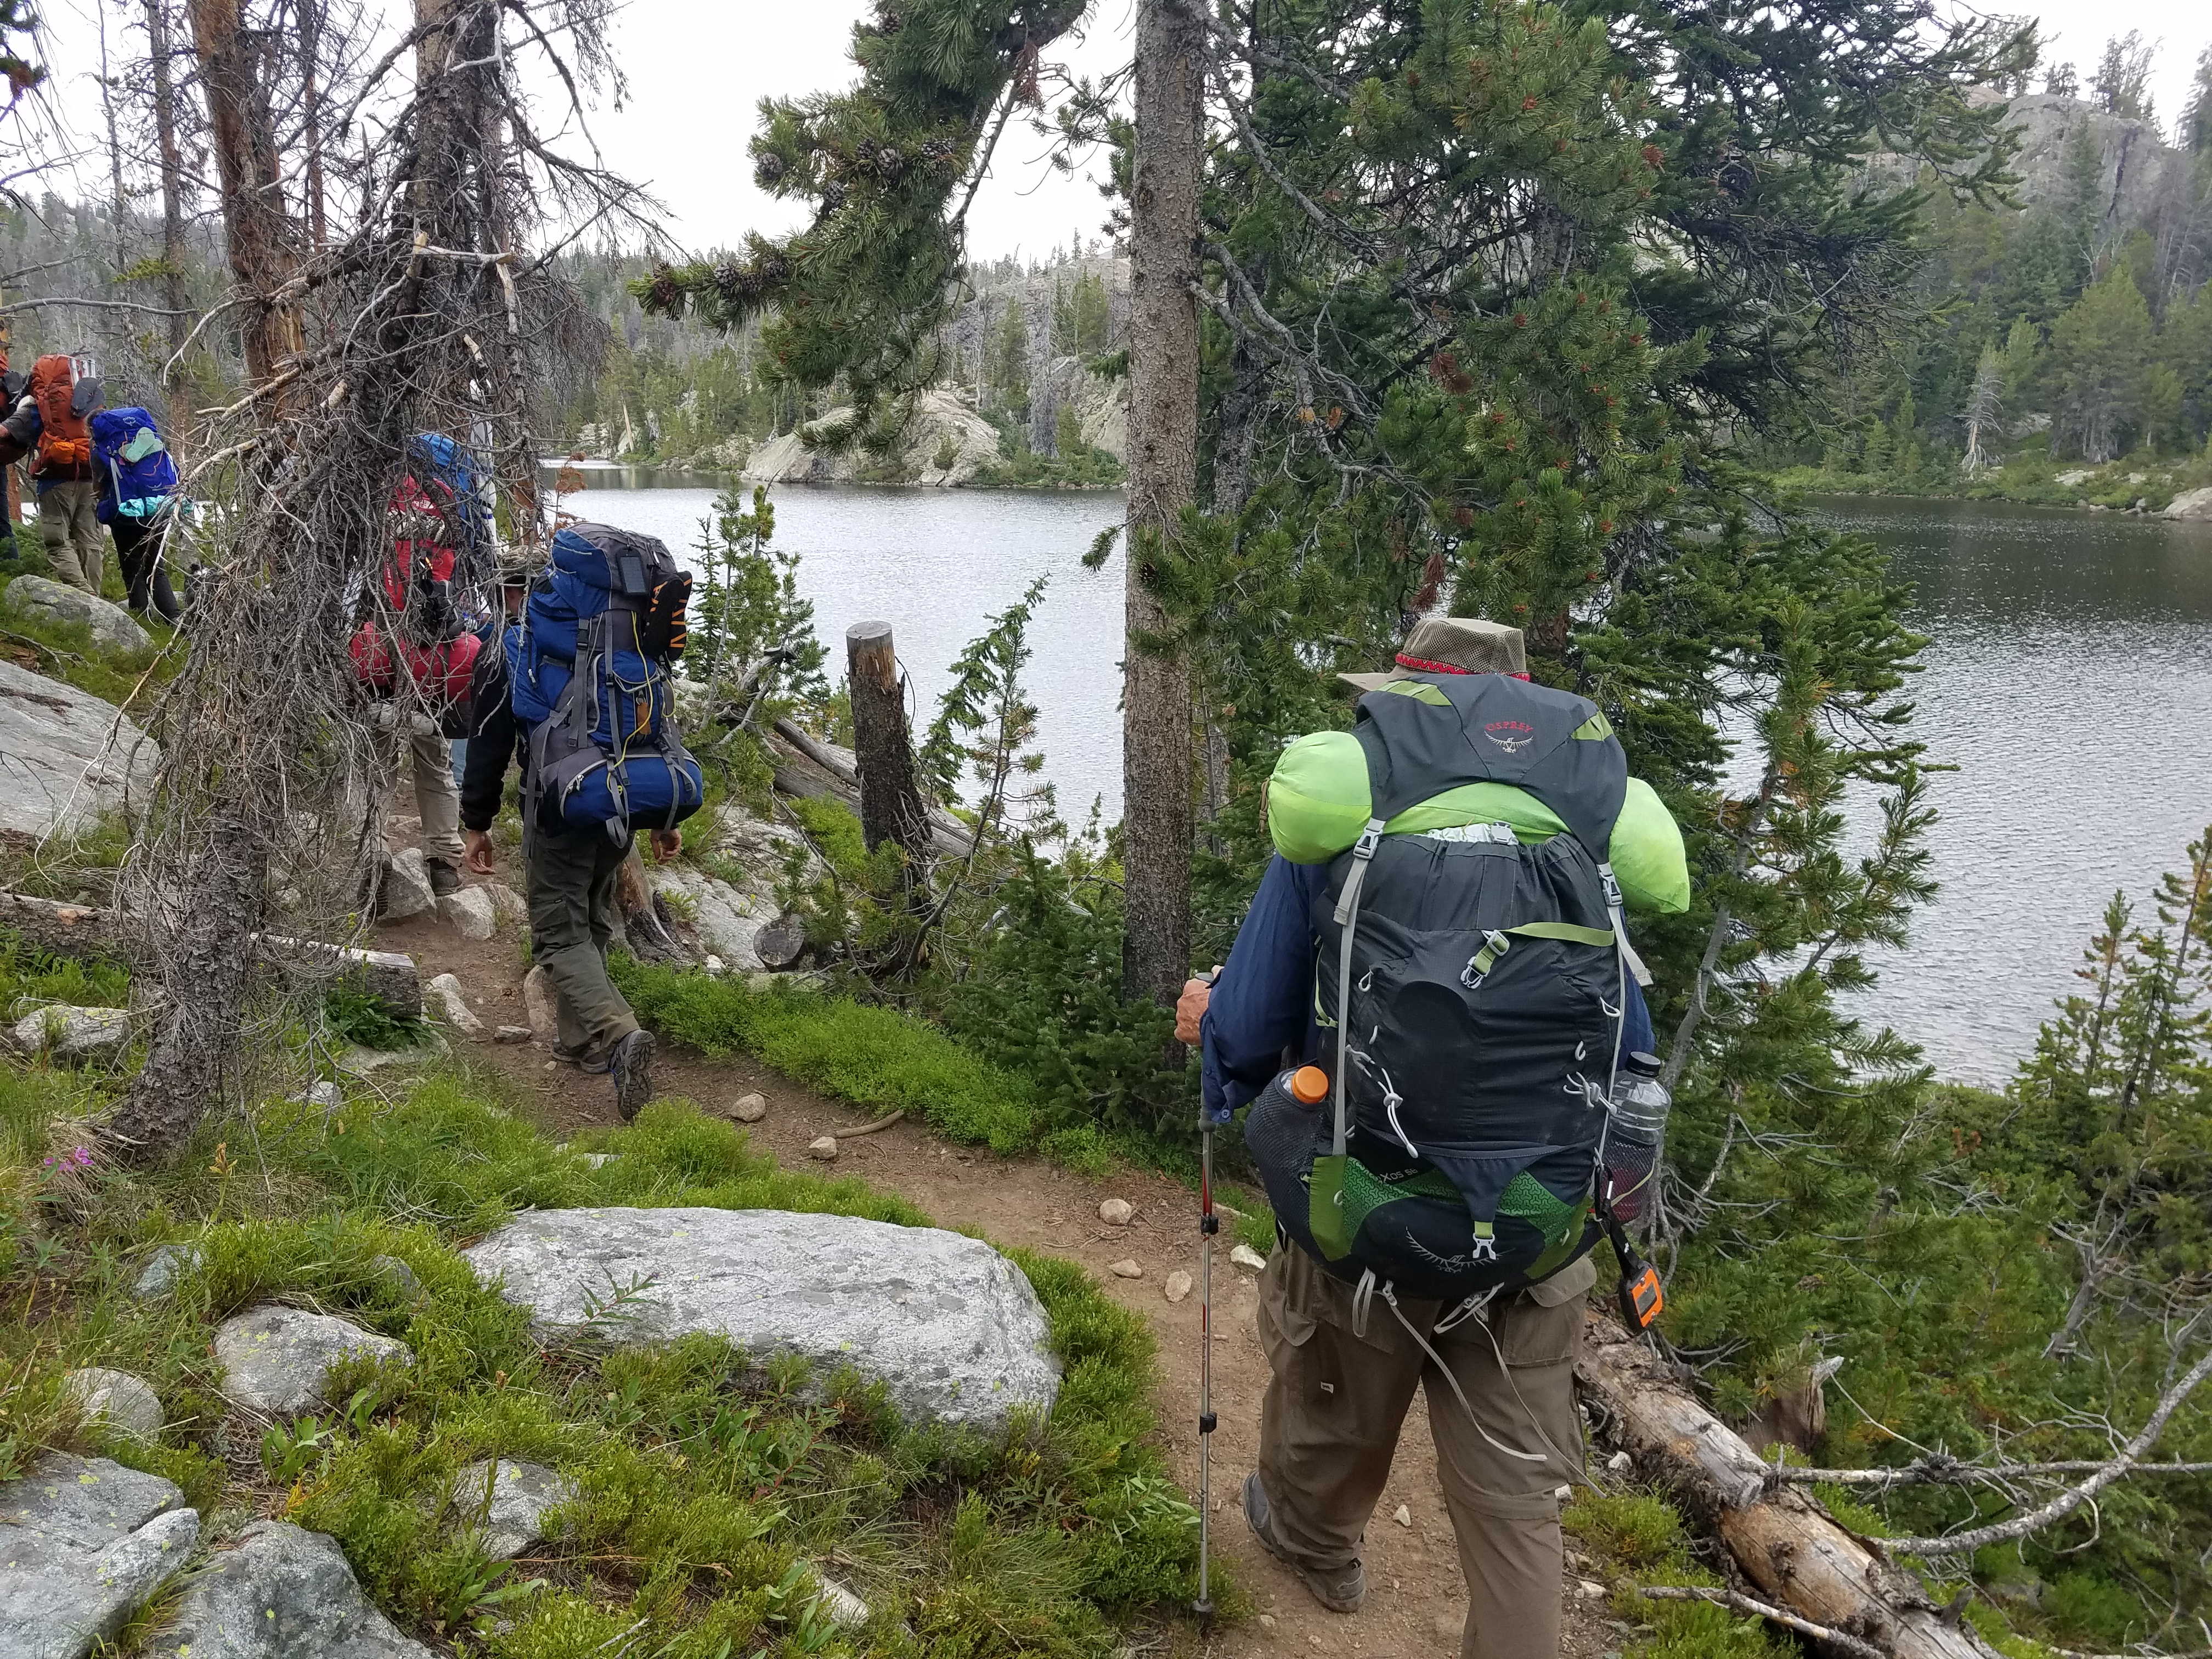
x=1309, y=1085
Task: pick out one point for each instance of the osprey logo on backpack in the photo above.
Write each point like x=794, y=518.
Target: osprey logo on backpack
x=1511, y=736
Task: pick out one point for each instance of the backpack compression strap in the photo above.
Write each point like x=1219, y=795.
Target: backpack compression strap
x=1348, y=919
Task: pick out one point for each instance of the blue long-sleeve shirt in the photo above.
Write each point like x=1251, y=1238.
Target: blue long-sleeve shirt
x=1263, y=1002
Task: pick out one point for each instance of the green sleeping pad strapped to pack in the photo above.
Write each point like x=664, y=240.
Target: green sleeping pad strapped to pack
x=1318, y=802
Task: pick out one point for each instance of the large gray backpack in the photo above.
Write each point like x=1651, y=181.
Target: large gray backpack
x=1471, y=991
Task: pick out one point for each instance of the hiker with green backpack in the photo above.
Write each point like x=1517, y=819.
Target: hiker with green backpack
x=1442, y=941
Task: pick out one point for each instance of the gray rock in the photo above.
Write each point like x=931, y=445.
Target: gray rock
x=506, y=1502
x=406, y=889
x=845, y=1609
x=750, y=1108
x=69, y=1034
x=367, y=1062
x=165, y=1267
x=326, y=1094
x=2191, y=504
x=68, y=757
x=511, y=1034
x=728, y=919
x=507, y=905
x=84, y=1543
x=277, y=1359
x=468, y=913
x=117, y=1401
x=58, y=602
x=946, y=1324
x=824, y=1147
x=283, y=1593
x=392, y=1269
x=445, y=993
x=541, y=1006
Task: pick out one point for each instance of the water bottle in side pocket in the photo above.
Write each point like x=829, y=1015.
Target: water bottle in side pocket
x=1635, y=1133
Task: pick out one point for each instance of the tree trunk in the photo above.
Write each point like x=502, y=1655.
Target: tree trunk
x=258, y=236
x=1163, y=466
x=175, y=295
x=1785, y=1544
x=890, y=797
x=122, y=203
x=311, y=100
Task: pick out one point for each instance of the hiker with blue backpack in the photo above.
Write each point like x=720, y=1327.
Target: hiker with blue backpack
x=1435, y=1015
x=140, y=501
x=581, y=693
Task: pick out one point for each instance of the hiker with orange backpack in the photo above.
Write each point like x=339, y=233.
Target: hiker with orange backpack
x=64, y=393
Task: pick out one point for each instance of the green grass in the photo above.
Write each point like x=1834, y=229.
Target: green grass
x=873, y=1056
x=712, y=1493
x=64, y=651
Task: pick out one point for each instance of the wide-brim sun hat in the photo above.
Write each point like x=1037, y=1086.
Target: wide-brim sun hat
x=1453, y=645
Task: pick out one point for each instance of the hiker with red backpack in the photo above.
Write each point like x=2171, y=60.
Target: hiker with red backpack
x=412, y=646
x=1441, y=940
x=582, y=691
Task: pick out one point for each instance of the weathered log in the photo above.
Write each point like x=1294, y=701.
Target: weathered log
x=90, y=932
x=891, y=795
x=780, y=943
x=807, y=768
x=1782, y=1541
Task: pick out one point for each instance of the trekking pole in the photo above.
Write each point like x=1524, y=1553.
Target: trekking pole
x=1209, y=1224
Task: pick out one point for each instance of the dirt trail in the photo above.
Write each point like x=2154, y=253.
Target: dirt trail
x=1416, y=1603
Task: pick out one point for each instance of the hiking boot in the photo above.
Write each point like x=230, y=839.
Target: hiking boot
x=1341, y=1589
x=591, y=1061
x=631, y=1063
x=444, y=877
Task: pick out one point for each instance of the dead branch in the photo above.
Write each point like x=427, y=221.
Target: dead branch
x=1848, y=1645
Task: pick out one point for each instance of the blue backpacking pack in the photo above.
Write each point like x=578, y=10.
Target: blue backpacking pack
x=137, y=476
x=589, y=669
x=437, y=458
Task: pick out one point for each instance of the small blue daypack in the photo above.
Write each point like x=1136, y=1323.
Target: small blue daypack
x=137, y=476
x=448, y=472
x=590, y=672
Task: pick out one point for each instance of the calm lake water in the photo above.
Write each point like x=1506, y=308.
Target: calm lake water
x=2069, y=681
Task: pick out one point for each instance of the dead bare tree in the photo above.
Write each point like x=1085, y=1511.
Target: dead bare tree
x=422, y=325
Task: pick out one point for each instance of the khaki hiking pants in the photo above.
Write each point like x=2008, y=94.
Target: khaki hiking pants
x=572, y=907
x=76, y=539
x=1331, y=1417
x=429, y=753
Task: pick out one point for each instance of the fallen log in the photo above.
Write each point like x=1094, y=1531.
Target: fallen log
x=1781, y=1539
x=90, y=931
x=811, y=770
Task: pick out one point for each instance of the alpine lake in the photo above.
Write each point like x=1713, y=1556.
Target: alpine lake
x=2069, y=682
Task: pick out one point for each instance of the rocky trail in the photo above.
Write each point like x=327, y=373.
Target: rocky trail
x=1416, y=1603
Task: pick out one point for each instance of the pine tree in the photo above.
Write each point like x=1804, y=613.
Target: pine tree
x=1010, y=360
x=2105, y=343
x=2195, y=133
x=2121, y=85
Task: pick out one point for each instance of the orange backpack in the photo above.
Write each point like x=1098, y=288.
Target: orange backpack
x=64, y=439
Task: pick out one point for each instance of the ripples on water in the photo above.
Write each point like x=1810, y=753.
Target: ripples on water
x=2069, y=680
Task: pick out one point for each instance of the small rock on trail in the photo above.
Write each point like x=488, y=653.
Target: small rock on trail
x=1116, y=1213
x=453, y=1005
x=1125, y=1268
x=1248, y=1258
x=750, y=1108
x=1178, y=1286
x=539, y=1002
x=277, y=1359
x=822, y=1146
x=405, y=890
x=468, y=913
x=283, y=1593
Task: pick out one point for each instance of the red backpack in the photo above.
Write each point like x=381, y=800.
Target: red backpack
x=432, y=648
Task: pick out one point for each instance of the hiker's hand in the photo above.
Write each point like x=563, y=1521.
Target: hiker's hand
x=667, y=844
x=1190, y=1008
x=478, y=843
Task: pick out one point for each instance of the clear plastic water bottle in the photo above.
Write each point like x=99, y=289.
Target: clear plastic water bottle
x=1634, y=1135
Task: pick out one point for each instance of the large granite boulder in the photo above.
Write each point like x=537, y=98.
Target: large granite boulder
x=949, y=1325
x=58, y=602
x=2191, y=504
x=279, y=1360
x=283, y=1593
x=84, y=1543
x=70, y=756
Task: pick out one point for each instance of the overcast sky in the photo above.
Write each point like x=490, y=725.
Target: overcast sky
x=697, y=68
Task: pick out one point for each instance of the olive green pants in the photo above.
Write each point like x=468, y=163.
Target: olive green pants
x=1330, y=1421
x=76, y=539
x=572, y=906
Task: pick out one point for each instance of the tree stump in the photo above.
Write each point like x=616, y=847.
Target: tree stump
x=890, y=795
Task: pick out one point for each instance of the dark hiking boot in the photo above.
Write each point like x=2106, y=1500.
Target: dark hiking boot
x=631, y=1063
x=591, y=1061
x=1341, y=1589
x=444, y=877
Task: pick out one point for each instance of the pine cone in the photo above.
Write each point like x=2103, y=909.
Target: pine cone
x=889, y=21
x=833, y=197
x=936, y=155
x=773, y=268
x=728, y=275
x=664, y=292
x=889, y=165
x=769, y=169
